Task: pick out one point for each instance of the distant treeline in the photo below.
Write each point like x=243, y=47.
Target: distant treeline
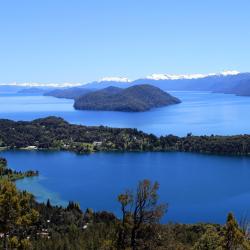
x=54, y=133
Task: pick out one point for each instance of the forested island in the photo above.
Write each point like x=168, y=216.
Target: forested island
x=53, y=133
x=132, y=99
x=26, y=224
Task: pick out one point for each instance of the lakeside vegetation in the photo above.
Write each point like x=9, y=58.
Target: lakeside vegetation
x=13, y=175
x=26, y=224
x=53, y=133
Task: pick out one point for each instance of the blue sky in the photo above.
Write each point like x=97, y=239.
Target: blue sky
x=81, y=40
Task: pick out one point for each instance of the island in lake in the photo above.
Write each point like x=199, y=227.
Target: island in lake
x=132, y=99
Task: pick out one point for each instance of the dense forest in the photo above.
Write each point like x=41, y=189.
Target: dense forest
x=54, y=133
x=26, y=224
x=132, y=99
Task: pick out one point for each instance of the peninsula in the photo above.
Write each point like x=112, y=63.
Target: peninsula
x=54, y=133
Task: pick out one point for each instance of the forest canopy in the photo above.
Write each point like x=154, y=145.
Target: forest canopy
x=57, y=134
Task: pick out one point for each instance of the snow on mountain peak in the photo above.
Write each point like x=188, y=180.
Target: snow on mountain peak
x=37, y=84
x=173, y=76
x=190, y=76
x=124, y=79
x=114, y=79
x=229, y=72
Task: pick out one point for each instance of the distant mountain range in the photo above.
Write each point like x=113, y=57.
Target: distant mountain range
x=132, y=99
x=231, y=82
x=32, y=91
x=213, y=83
x=16, y=89
x=69, y=93
x=226, y=82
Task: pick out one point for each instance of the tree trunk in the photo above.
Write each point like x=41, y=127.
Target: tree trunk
x=133, y=239
x=5, y=242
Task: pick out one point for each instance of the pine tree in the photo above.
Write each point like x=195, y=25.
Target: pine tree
x=234, y=236
x=48, y=204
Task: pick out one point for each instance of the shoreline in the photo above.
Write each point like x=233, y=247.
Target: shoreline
x=121, y=151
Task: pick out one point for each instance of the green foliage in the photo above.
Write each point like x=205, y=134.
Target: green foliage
x=234, y=237
x=14, y=242
x=140, y=215
x=72, y=205
x=12, y=175
x=16, y=213
x=56, y=134
x=26, y=224
x=3, y=165
x=210, y=240
x=3, y=162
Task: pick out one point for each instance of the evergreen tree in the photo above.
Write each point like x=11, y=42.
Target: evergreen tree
x=234, y=236
x=3, y=165
x=48, y=204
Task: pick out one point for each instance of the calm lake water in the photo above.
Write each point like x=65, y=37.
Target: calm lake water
x=199, y=113
x=197, y=187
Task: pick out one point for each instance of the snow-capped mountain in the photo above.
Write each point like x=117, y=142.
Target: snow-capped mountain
x=189, y=76
x=215, y=82
x=114, y=79
x=225, y=82
x=37, y=84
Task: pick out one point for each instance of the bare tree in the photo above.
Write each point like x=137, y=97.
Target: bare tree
x=140, y=210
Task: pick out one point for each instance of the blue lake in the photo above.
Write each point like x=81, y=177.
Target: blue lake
x=199, y=113
x=196, y=187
